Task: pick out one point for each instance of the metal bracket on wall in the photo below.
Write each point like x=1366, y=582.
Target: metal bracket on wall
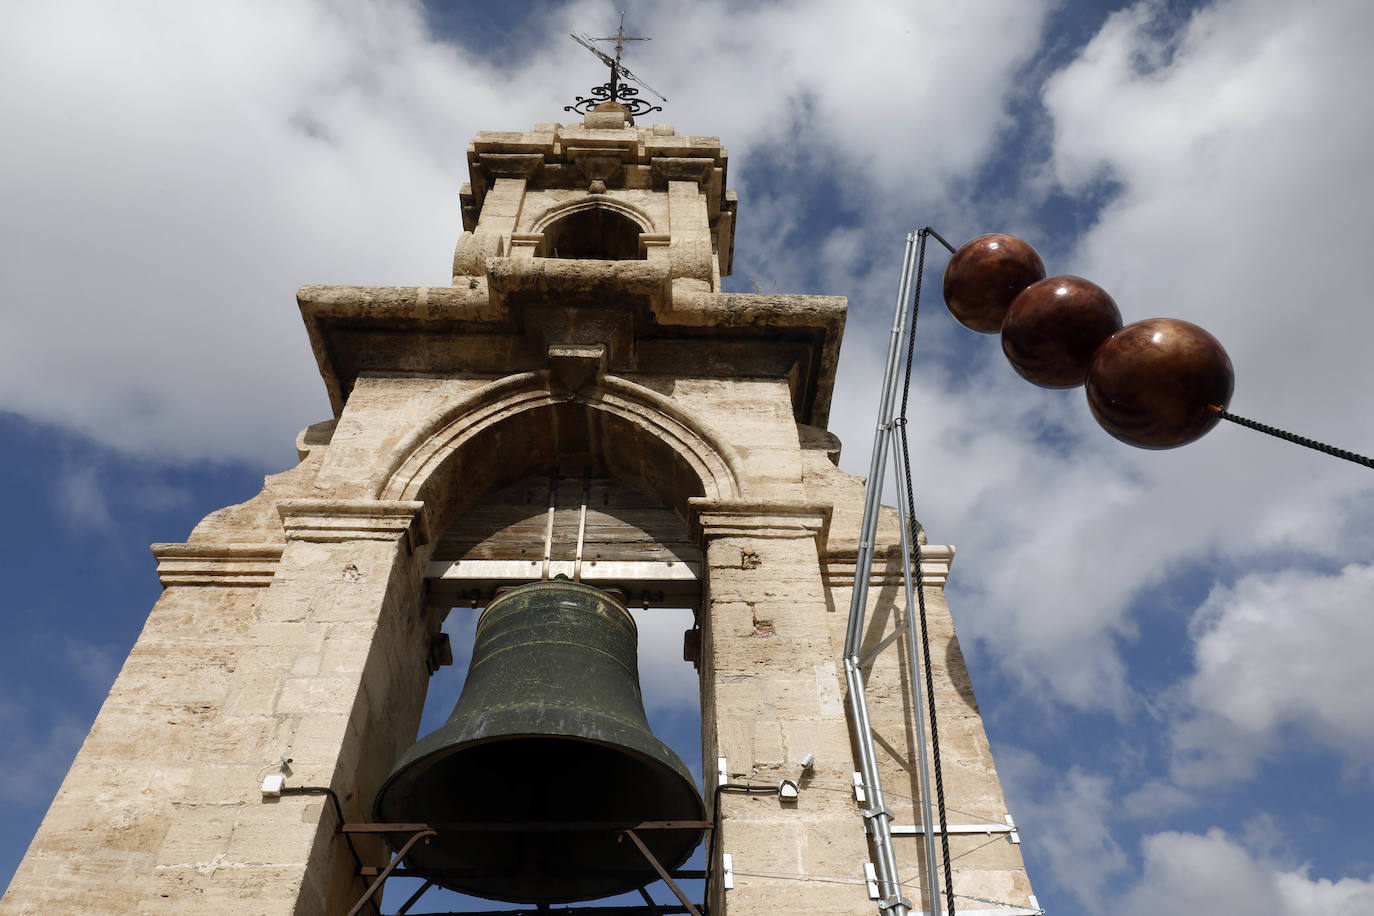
x=1009, y=828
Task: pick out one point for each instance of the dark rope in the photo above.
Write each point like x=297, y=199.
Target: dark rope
x=920, y=577
x=1294, y=438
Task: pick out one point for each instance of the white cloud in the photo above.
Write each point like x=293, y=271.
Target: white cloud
x=81, y=499
x=34, y=755
x=95, y=665
x=1156, y=800
x=1237, y=144
x=173, y=172
x=1068, y=816
x=668, y=683
x=1191, y=873
x=1273, y=652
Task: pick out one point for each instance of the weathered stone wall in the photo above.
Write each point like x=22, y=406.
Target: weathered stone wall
x=326, y=667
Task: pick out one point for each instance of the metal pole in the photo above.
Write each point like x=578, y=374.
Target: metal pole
x=873, y=490
x=878, y=817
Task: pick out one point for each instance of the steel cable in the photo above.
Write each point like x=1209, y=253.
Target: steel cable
x=1294, y=437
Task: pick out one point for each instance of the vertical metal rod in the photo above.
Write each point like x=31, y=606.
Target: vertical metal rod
x=873, y=490
x=582, y=522
x=548, y=525
x=911, y=553
x=878, y=816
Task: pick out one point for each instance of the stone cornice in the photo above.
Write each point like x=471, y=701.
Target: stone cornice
x=549, y=155
x=936, y=559
x=241, y=565
x=333, y=520
x=357, y=329
x=762, y=518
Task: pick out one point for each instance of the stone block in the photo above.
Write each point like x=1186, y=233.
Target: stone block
x=277, y=831
x=834, y=845
x=197, y=834
x=762, y=845
x=827, y=895
x=312, y=696
x=228, y=785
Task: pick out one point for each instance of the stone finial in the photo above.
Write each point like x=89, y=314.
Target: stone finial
x=609, y=114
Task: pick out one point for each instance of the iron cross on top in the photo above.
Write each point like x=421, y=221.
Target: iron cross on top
x=616, y=89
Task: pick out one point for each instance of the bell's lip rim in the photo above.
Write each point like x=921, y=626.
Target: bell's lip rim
x=445, y=751
x=692, y=837
x=560, y=583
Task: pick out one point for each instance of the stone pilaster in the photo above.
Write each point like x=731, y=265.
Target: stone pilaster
x=772, y=694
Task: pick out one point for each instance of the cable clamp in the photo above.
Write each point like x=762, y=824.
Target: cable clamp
x=871, y=813
x=890, y=902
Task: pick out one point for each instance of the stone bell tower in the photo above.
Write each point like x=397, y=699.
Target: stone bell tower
x=584, y=400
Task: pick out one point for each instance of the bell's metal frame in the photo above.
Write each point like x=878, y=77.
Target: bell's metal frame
x=423, y=832
x=877, y=816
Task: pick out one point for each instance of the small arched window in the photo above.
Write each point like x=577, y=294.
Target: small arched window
x=595, y=232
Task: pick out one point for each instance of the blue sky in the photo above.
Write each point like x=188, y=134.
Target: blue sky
x=1169, y=648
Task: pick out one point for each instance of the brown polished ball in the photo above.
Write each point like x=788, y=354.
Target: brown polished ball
x=1153, y=382
x=985, y=275
x=1053, y=327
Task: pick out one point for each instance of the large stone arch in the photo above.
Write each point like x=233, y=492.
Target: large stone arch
x=561, y=211
x=598, y=227
x=637, y=434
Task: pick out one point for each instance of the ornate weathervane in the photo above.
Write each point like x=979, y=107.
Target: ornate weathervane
x=616, y=90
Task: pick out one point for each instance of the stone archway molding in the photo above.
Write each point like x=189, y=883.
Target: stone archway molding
x=423, y=453
x=594, y=202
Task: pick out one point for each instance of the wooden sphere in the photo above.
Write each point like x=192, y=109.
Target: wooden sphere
x=985, y=275
x=1053, y=327
x=1152, y=383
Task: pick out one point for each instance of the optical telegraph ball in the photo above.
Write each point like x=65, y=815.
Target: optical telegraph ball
x=1152, y=384
x=1053, y=327
x=985, y=275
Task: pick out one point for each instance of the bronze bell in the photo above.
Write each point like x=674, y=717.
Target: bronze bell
x=549, y=730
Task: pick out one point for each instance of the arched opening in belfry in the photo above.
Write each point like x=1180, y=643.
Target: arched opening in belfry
x=575, y=519
x=519, y=426
x=593, y=232
x=522, y=484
